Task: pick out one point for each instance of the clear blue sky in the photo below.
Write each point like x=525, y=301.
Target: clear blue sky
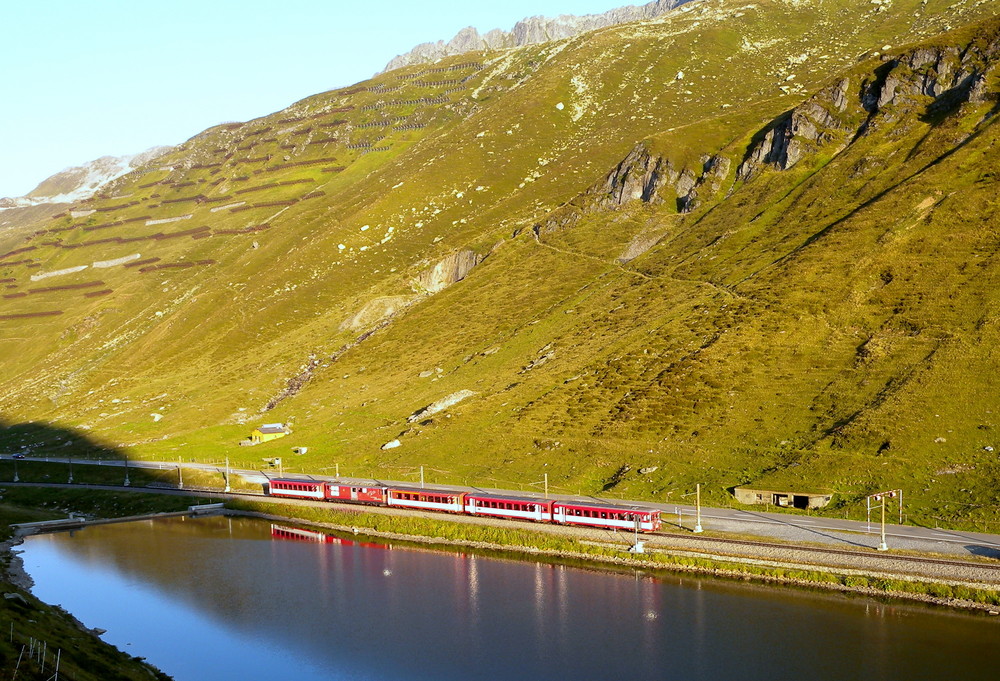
x=82, y=79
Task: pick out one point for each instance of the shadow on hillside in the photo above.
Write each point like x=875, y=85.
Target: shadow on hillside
x=39, y=439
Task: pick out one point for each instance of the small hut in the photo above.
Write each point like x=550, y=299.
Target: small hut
x=268, y=432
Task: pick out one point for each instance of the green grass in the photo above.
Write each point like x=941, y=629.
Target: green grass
x=812, y=328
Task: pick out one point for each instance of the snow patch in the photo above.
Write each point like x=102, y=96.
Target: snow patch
x=163, y=221
x=226, y=207
x=58, y=273
x=116, y=261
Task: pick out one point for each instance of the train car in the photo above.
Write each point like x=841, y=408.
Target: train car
x=449, y=501
x=606, y=516
x=355, y=493
x=297, y=489
x=518, y=508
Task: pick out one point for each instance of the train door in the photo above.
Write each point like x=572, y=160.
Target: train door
x=354, y=494
x=559, y=514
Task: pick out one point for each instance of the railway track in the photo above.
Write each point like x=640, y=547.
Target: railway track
x=863, y=555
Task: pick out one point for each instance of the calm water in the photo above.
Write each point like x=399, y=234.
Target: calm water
x=215, y=599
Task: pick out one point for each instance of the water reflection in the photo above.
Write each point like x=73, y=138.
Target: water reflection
x=245, y=600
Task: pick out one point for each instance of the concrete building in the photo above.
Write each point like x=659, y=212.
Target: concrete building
x=787, y=499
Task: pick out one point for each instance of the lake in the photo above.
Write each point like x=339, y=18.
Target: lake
x=212, y=599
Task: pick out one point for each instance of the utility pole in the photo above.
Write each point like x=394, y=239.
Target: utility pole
x=697, y=509
x=882, y=545
x=697, y=505
x=881, y=497
x=638, y=546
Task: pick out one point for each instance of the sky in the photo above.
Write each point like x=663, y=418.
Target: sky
x=81, y=79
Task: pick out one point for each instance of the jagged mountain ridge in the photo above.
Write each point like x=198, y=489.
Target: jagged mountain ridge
x=529, y=31
x=475, y=233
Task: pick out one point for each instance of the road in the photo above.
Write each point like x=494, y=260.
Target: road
x=789, y=527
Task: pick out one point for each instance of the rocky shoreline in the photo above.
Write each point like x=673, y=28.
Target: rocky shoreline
x=15, y=572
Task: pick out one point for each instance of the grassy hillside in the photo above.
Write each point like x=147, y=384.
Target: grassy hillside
x=694, y=250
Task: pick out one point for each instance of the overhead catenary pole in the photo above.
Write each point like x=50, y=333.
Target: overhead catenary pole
x=70, y=480
x=126, y=483
x=546, y=485
x=883, y=546
x=180, y=474
x=697, y=507
x=421, y=477
x=227, y=475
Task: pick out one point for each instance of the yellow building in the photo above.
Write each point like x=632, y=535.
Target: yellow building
x=269, y=431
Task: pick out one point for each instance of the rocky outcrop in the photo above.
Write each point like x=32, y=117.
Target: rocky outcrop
x=638, y=177
x=375, y=311
x=447, y=271
x=652, y=178
x=529, y=31
x=937, y=79
x=440, y=405
x=646, y=176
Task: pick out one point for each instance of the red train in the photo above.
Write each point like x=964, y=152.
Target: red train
x=589, y=514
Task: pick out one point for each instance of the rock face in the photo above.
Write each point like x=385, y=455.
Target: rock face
x=446, y=272
x=948, y=77
x=529, y=31
x=440, y=405
x=647, y=176
x=839, y=113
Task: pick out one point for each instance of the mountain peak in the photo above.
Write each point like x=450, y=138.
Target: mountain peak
x=529, y=31
x=81, y=182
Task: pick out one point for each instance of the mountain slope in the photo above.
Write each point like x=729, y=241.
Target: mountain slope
x=717, y=247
